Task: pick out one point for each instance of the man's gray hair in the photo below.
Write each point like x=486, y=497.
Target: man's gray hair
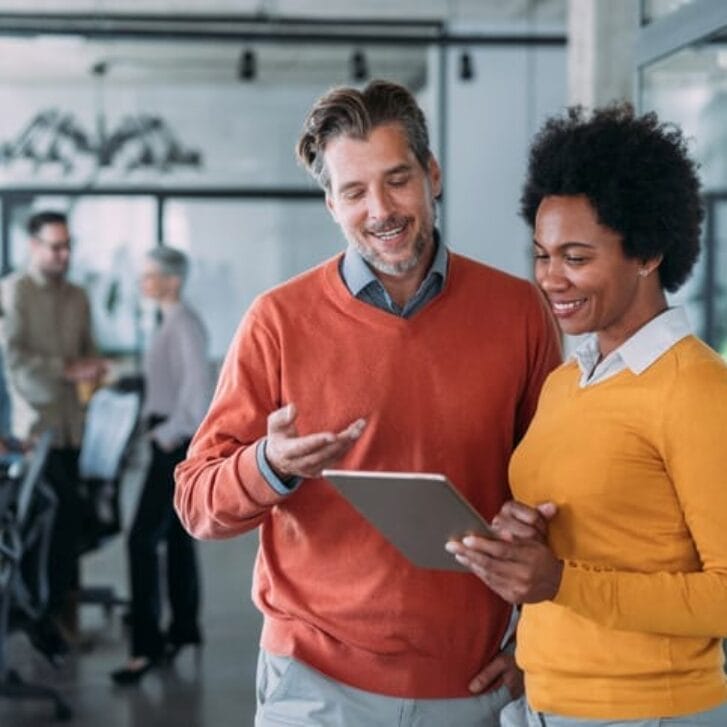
x=170, y=261
x=347, y=111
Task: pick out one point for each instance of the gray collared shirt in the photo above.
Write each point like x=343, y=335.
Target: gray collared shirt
x=647, y=345
x=363, y=284
x=178, y=376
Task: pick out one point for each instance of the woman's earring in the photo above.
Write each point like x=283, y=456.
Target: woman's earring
x=643, y=272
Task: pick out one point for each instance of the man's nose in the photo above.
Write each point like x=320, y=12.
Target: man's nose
x=380, y=204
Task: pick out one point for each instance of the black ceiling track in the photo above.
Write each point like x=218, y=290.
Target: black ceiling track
x=261, y=29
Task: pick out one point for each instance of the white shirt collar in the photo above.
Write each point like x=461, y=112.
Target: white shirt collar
x=637, y=353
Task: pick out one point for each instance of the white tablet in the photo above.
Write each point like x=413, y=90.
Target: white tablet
x=416, y=513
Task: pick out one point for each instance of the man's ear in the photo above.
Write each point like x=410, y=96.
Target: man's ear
x=176, y=284
x=435, y=176
x=330, y=204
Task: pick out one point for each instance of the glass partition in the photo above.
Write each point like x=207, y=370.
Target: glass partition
x=718, y=212
x=110, y=236
x=176, y=113
x=187, y=136
x=689, y=87
x=255, y=246
x=652, y=10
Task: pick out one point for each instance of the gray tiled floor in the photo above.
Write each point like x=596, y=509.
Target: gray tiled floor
x=216, y=690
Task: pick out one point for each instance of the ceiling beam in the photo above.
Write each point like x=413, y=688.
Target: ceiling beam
x=260, y=29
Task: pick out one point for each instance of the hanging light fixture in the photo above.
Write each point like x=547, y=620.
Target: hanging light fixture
x=466, y=67
x=359, y=66
x=247, y=65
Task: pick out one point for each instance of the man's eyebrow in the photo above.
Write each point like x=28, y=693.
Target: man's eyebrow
x=348, y=185
x=398, y=169
x=402, y=168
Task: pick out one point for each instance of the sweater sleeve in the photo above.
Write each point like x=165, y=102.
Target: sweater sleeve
x=544, y=354
x=87, y=346
x=695, y=457
x=220, y=491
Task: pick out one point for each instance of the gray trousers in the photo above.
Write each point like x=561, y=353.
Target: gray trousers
x=519, y=714
x=291, y=693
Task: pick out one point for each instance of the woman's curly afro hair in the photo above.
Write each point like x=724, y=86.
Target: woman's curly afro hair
x=636, y=173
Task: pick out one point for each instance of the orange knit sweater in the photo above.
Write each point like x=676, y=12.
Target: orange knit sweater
x=451, y=389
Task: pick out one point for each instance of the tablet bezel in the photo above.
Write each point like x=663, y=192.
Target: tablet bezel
x=416, y=512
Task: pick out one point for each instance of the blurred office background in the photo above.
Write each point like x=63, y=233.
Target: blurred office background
x=175, y=121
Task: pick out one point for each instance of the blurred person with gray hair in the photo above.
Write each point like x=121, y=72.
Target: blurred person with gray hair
x=178, y=388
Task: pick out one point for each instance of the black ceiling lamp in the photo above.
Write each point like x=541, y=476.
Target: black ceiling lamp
x=466, y=67
x=359, y=66
x=247, y=65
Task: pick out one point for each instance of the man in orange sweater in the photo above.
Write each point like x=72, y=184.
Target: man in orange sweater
x=396, y=355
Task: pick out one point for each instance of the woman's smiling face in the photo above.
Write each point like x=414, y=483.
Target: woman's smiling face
x=591, y=285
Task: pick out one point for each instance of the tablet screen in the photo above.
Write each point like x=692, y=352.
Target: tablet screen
x=416, y=513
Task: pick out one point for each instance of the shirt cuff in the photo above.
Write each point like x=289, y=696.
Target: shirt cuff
x=282, y=488
x=165, y=436
x=507, y=644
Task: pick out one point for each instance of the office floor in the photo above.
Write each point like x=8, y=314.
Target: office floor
x=214, y=691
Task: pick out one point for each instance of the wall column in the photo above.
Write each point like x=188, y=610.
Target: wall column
x=601, y=41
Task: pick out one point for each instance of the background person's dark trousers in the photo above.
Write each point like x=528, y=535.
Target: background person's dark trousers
x=156, y=522
x=61, y=472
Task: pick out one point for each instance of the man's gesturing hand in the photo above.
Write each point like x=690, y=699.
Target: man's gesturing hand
x=292, y=455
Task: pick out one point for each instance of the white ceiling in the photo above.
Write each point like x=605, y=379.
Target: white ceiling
x=487, y=10
x=45, y=58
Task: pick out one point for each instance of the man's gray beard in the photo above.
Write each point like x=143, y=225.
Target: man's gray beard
x=400, y=268
x=405, y=266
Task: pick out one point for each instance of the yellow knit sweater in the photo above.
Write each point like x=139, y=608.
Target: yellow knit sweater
x=638, y=468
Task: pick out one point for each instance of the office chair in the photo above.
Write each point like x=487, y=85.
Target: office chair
x=27, y=509
x=111, y=419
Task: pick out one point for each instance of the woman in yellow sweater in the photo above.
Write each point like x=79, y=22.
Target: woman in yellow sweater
x=617, y=539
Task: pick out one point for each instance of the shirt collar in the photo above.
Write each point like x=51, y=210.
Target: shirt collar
x=44, y=281
x=171, y=310
x=640, y=351
x=357, y=274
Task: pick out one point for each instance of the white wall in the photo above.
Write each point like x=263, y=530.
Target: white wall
x=247, y=134
x=491, y=120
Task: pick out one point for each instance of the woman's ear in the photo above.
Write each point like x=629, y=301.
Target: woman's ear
x=649, y=265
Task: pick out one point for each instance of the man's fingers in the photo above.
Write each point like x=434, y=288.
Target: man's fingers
x=308, y=456
x=313, y=464
x=315, y=452
x=299, y=447
x=491, y=673
x=354, y=430
x=305, y=456
x=281, y=420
